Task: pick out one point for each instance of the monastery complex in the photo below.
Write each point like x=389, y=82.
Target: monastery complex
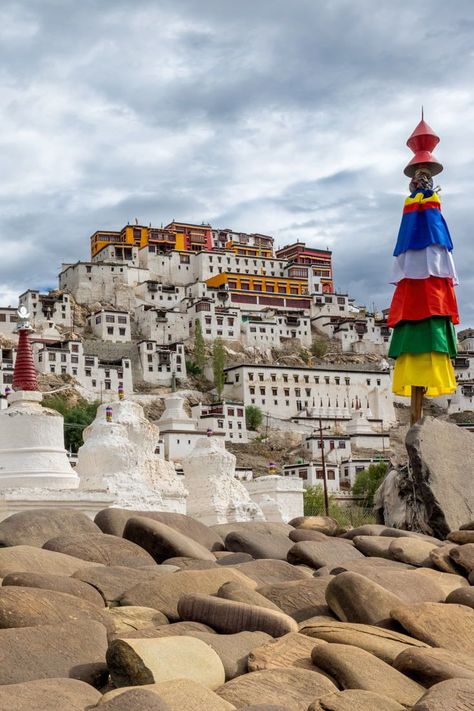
x=125, y=321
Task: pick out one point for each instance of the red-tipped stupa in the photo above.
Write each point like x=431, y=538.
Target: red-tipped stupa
x=24, y=375
x=422, y=141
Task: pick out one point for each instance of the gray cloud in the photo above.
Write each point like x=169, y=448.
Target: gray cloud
x=282, y=117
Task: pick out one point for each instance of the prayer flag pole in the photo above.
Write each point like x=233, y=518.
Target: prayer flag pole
x=423, y=308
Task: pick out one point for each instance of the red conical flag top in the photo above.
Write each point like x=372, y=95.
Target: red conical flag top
x=24, y=374
x=422, y=142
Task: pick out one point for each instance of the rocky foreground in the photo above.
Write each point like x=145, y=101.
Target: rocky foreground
x=158, y=612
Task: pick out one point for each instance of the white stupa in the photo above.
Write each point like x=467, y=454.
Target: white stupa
x=32, y=452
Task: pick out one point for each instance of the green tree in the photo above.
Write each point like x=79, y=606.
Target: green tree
x=319, y=347
x=199, y=352
x=253, y=417
x=76, y=418
x=218, y=363
x=368, y=481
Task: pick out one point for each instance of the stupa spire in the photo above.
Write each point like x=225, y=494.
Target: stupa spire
x=24, y=374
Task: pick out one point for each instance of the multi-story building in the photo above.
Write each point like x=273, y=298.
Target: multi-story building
x=7, y=364
x=161, y=325
x=286, y=392
x=110, y=325
x=154, y=293
x=320, y=261
x=227, y=417
x=257, y=292
x=162, y=365
x=181, y=236
x=273, y=328
x=98, y=377
x=358, y=333
x=216, y=321
x=248, y=245
x=51, y=309
x=8, y=320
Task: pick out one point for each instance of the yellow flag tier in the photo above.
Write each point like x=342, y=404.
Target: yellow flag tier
x=433, y=371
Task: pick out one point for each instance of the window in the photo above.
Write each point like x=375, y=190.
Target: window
x=274, y=392
x=368, y=381
x=107, y=384
x=379, y=381
x=348, y=381
x=121, y=331
x=297, y=392
x=88, y=372
x=285, y=378
x=260, y=377
x=252, y=390
x=262, y=390
x=110, y=330
x=52, y=356
x=286, y=392
x=337, y=380
x=295, y=377
x=326, y=379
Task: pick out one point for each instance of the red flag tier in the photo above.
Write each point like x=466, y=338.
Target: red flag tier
x=423, y=308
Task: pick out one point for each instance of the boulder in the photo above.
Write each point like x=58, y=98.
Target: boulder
x=354, y=668
x=233, y=649
x=362, y=564
x=100, y=548
x=150, y=661
x=301, y=599
x=113, y=521
x=439, y=625
x=48, y=694
x=70, y=649
x=462, y=596
x=355, y=598
x=58, y=583
x=444, y=496
x=162, y=541
x=413, y=551
x=383, y=643
x=458, y=537
x=291, y=650
x=408, y=585
x=229, y=617
x=294, y=689
x=269, y=572
x=259, y=545
x=355, y=700
x=28, y=607
x=378, y=546
x=463, y=556
x=27, y=559
x=306, y=534
x=368, y=529
x=431, y=665
x=136, y=699
x=180, y=694
x=129, y=619
x=164, y=597
x=323, y=524
x=241, y=593
x=34, y=528
x=114, y=580
x=184, y=563
x=448, y=582
x=441, y=558
x=228, y=558
x=318, y=554
x=266, y=527
x=451, y=695
x=175, y=629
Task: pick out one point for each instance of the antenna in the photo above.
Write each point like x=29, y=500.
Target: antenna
x=422, y=113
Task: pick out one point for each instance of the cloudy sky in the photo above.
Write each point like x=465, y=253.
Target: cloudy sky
x=287, y=117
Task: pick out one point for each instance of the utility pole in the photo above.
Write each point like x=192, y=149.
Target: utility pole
x=323, y=462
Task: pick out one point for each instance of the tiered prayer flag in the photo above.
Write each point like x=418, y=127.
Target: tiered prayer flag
x=424, y=307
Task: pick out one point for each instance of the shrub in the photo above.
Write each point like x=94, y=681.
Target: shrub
x=319, y=347
x=368, y=481
x=253, y=417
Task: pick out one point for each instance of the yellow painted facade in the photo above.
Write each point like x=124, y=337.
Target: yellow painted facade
x=260, y=284
x=249, y=251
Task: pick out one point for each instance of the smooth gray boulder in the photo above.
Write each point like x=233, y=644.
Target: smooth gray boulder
x=70, y=649
x=58, y=583
x=451, y=695
x=100, y=548
x=48, y=695
x=34, y=528
x=113, y=521
x=436, y=496
x=112, y=581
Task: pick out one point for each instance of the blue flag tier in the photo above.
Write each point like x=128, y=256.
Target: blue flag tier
x=424, y=307
x=422, y=223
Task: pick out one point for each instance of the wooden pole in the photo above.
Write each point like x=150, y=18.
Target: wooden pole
x=416, y=406
x=323, y=462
